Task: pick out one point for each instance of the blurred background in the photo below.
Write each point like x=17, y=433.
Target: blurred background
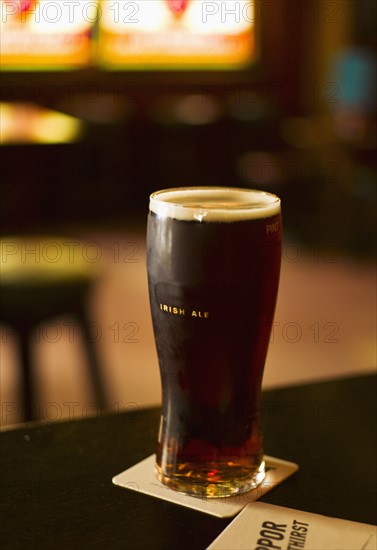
x=105, y=102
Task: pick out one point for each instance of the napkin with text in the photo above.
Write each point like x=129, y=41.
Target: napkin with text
x=262, y=526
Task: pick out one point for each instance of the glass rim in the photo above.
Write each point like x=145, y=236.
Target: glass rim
x=260, y=203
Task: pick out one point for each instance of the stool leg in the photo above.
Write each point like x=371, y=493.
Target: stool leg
x=92, y=357
x=27, y=379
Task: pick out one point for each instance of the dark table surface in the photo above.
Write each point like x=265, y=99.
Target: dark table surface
x=56, y=489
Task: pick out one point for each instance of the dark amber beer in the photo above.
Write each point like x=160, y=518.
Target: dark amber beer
x=213, y=270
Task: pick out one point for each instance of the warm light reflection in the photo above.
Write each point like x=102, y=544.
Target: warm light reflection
x=216, y=17
x=197, y=110
x=27, y=123
x=176, y=33
x=46, y=34
x=193, y=109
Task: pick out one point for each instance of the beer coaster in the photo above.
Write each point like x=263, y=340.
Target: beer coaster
x=141, y=477
x=264, y=526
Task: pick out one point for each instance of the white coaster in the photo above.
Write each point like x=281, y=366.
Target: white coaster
x=142, y=477
x=262, y=526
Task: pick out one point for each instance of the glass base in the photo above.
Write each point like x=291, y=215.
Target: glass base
x=212, y=480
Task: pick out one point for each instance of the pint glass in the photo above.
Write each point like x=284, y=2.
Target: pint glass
x=213, y=271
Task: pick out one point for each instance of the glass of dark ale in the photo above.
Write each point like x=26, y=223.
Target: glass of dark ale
x=213, y=270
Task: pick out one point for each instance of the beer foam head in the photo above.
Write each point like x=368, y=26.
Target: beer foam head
x=214, y=204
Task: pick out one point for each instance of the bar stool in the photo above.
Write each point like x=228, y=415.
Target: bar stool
x=42, y=278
